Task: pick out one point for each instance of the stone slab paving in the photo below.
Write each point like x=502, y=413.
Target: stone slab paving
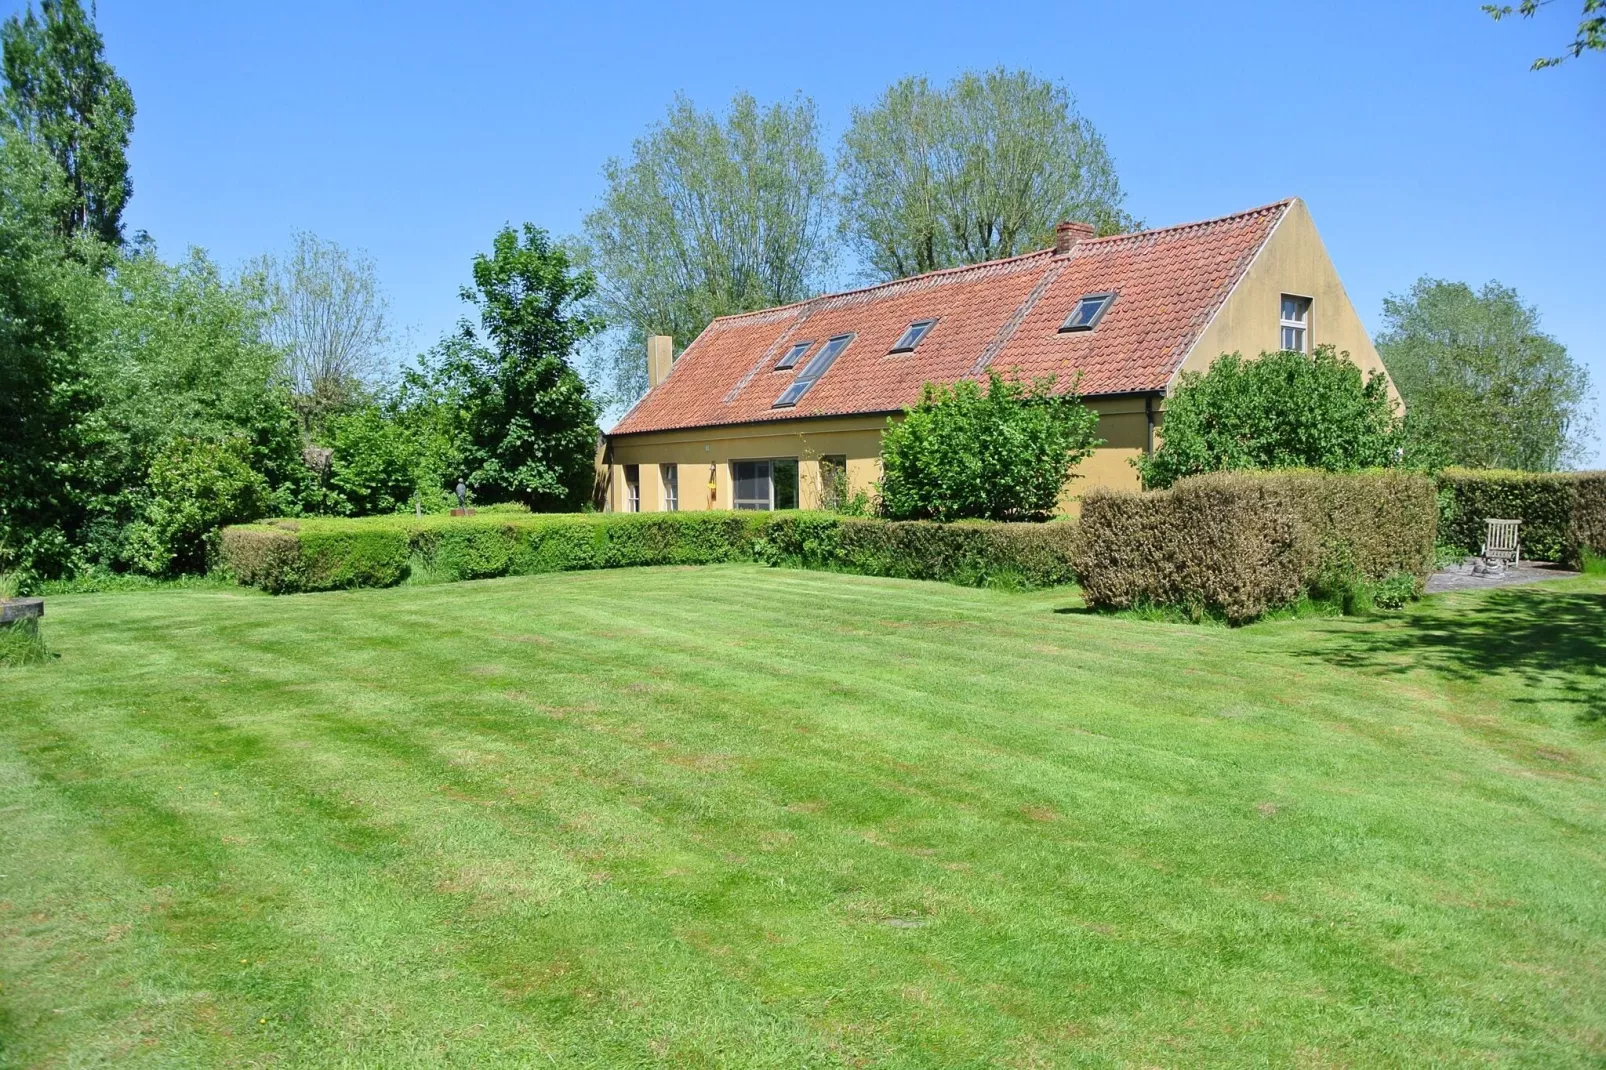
x=1460, y=577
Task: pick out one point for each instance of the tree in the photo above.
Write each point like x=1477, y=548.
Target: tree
x=708, y=217
x=1483, y=386
x=1284, y=410
x=528, y=426
x=61, y=93
x=1002, y=454
x=1590, y=37
x=327, y=314
x=983, y=169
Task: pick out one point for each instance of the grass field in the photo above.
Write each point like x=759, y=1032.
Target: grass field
x=743, y=817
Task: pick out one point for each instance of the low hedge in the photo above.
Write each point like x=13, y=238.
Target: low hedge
x=975, y=554
x=1562, y=513
x=286, y=556
x=1237, y=544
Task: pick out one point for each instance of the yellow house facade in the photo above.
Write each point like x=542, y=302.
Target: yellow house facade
x=784, y=408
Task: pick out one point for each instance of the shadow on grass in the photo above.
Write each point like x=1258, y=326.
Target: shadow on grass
x=1553, y=641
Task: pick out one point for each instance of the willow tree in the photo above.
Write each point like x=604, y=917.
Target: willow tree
x=710, y=215
x=981, y=169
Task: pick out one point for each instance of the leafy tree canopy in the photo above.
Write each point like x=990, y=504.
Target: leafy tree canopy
x=710, y=215
x=1284, y=410
x=1590, y=36
x=527, y=429
x=61, y=93
x=1000, y=454
x=982, y=169
x=1483, y=386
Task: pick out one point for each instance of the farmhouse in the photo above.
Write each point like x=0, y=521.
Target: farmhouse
x=784, y=408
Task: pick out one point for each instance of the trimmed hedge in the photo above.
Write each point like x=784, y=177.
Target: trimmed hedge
x=1237, y=544
x=318, y=555
x=971, y=553
x=1562, y=513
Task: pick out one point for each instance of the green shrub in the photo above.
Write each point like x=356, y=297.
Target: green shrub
x=976, y=554
x=1237, y=545
x=1283, y=410
x=1586, y=528
x=324, y=554
x=1394, y=591
x=195, y=487
x=1000, y=455
x=1541, y=500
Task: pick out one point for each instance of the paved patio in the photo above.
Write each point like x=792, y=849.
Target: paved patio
x=1460, y=577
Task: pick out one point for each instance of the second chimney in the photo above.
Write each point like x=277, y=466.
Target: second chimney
x=1067, y=234
x=660, y=356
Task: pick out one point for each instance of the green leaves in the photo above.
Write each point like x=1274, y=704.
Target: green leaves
x=1483, y=386
x=60, y=93
x=1284, y=410
x=982, y=169
x=1000, y=455
x=1590, y=36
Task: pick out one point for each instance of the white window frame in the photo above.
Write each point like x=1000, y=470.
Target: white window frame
x=632, y=489
x=1303, y=326
x=669, y=476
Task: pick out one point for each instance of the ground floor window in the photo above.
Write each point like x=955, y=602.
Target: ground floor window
x=768, y=484
x=632, y=488
x=671, y=474
x=833, y=480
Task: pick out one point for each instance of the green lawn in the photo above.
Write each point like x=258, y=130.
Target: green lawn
x=733, y=816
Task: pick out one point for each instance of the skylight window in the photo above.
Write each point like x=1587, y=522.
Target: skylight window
x=1087, y=313
x=813, y=370
x=792, y=356
x=912, y=335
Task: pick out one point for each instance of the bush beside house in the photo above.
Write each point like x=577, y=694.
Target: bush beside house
x=1236, y=544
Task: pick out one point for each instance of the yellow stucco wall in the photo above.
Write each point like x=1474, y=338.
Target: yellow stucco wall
x=704, y=455
x=1293, y=261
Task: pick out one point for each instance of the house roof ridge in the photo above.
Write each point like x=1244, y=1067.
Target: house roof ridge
x=959, y=269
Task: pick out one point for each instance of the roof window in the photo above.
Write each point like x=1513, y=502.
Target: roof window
x=1088, y=311
x=812, y=371
x=792, y=356
x=912, y=335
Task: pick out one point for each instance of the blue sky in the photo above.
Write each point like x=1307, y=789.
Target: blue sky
x=1420, y=139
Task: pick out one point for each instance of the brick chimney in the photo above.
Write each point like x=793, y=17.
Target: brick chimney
x=660, y=356
x=1067, y=234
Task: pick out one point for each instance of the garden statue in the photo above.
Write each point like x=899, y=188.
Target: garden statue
x=462, y=495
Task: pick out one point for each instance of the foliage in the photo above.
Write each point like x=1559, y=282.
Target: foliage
x=973, y=554
x=22, y=644
x=1586, y=529
x=324, y=554
x=194, y=488
x=1591, y=35
x=1483, y=386
x=506, y=397
x=1003, y=454
x=1284, y=410
x=982, y=169
x=376, y=465
x=326, y=313
x=46, y=386
x=1542, y=501
x=62, y=95
x=1240, y=544
x=709, y=216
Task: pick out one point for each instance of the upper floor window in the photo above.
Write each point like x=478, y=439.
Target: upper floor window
x=1088, y=311
x=912, y=335
x=1296, y=323
x=812, y=371
x=792, y=356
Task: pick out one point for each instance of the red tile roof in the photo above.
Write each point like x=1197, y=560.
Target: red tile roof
x=1004, y=314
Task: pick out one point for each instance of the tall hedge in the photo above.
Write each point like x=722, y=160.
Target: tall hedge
x=1541, y=500
x=326, y=554
x=1586, y=528
x=1237, y=544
